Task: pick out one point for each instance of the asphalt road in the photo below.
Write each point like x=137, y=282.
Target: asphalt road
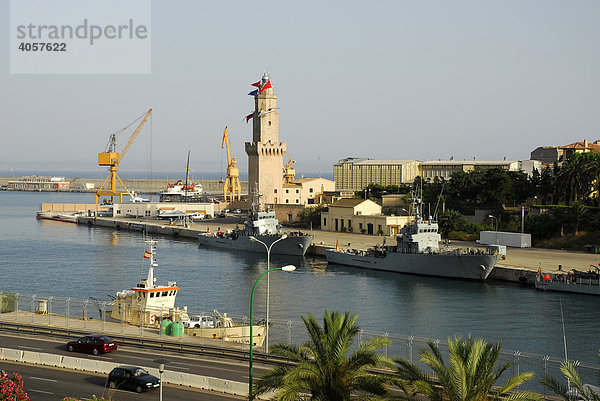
x=212, y=367
x=51, y=384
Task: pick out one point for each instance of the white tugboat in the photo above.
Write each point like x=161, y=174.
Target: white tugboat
x=147, y=304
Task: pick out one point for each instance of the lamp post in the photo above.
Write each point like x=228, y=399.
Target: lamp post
x=494, y=218
x=268, y=248
x=161, y=368
x=288, y=268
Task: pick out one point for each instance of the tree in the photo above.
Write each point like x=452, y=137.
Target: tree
x=573, y=178
x=322, y=367
x=469, y=375
x=583, y=392
x=578, y=210
x=449, y=221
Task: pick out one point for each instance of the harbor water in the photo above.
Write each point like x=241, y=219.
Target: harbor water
x=66, y=260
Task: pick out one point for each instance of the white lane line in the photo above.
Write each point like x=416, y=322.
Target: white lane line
x=39, y=391
x=43, y=378
x=25, y=347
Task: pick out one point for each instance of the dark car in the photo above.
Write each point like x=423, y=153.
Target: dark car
x=132, y=377
x=94, y=343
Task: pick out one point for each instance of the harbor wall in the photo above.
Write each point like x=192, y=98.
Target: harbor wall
x=503, y=273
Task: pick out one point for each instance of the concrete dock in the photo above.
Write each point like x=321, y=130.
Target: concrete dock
x=520, y=264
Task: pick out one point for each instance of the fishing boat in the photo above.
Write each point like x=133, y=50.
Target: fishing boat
x=148, y=304
x=417, y=251
x=574, y=281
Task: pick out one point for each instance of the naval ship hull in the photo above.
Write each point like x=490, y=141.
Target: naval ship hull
x=460, y=266
x=292, y=245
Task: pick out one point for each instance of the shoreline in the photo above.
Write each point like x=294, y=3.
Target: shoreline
x=519, y=266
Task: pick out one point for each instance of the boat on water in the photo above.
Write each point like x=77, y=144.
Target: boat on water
x=417, y=251
x=183, y=191
x=260, y=226
x=574, y=281
x=148, y=304
x=64, y=217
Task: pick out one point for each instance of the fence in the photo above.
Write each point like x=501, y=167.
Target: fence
x=90, y=315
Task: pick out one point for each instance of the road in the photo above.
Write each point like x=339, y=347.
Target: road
x=52, y=384
x=220, y=368
x=193, y=364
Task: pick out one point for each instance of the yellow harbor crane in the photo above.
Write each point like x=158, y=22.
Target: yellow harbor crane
x=232, y=183
x=112, y=159
x=289, y=172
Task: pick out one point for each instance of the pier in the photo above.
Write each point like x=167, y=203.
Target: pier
x=519, y=266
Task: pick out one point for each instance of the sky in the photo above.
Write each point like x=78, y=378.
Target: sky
x=404, y=80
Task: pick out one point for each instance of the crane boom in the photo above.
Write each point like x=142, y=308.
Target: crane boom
x=232, y=183
x=135, y=134
x=112, y=159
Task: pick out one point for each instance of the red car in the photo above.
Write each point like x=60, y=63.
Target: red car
x=93, y=343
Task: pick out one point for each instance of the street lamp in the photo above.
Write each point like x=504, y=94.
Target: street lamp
x=161, y=368
x=288, y=268
x=494, y=218
x=268, y=248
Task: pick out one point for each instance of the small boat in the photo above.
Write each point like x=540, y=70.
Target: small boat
x=574, y=281
x=148, y=304
x=183, y=191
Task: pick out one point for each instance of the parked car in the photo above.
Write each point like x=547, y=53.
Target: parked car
x=237, y=211
x=200, y=321
x=133, y=378
x=93, y=343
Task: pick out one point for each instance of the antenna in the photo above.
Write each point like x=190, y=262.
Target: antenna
x=562, y=318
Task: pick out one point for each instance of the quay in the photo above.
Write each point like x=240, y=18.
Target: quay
x=520, y=265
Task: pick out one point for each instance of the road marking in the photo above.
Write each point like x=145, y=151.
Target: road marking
x=43, y=378
x=33, y=348
x=39, y=391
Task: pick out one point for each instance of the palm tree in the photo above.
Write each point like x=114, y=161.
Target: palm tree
x=578, y=210
x=582, y=391
x=469, y=376
x=449, y=221
x=574, y=178
x=322, y=367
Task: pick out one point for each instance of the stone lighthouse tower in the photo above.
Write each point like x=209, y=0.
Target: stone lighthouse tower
x=265, y=152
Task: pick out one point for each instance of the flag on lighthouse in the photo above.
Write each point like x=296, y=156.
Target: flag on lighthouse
x=266, y=86
x=249, y=116
x=257, y=84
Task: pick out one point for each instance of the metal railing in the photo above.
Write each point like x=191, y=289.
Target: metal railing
x=78, y=316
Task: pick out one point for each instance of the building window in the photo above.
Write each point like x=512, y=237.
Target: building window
x=297, y=200
x=311, y=190
x=118, y=211
x=360, y=226
x=290, y=217
x=287, y=191
x=324, y=221
x=287, y=201
x=297, y=191
x=349, y=223
x=275, y=191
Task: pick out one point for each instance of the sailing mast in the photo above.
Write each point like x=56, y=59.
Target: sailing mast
x=187, y=173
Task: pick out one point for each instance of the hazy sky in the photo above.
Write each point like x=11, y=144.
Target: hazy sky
x=381, y=79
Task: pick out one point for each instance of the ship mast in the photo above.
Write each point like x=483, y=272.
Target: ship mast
x=152, y=248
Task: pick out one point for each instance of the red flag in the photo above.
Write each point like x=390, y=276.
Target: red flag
x=249, y=116
x=267, y=86
x=257, y=84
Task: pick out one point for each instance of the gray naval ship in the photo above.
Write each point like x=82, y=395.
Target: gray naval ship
x=262, y=226
x=417, y=251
